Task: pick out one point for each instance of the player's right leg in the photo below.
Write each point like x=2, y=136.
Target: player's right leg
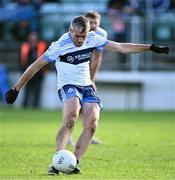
x=70, y=113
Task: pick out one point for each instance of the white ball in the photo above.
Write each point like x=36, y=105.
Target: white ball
x=64, y=161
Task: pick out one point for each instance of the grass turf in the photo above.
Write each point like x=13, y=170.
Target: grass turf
x=138, y=145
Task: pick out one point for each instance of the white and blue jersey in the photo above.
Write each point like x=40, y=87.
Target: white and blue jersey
x=100, y=31
x=72, y=62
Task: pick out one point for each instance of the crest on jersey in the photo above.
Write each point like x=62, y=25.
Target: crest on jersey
x=70, y=59
x=70, y=90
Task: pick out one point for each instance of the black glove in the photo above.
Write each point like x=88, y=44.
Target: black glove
x=11, y=95
x=159, y=49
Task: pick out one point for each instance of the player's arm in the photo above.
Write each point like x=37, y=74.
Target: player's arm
x=95, y=63
x=12, y=94
x=127, y=48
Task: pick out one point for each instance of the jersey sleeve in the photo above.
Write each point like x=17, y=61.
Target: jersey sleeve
x=105, y=35
x=101, y=42
x=52, y=52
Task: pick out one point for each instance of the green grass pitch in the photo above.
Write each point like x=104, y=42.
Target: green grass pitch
x=138, y=145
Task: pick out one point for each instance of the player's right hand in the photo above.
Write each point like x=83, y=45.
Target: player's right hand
x=11, y=95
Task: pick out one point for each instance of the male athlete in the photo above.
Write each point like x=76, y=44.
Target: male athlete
x=96, y=59
x=71, y=54
x=94, y=21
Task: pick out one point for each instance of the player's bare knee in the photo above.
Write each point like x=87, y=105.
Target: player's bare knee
x=70, y=124
x=71, y=119
x=73, y=115
x=93, y=126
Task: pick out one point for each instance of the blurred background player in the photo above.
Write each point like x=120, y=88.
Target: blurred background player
x=94, y=20
x=95, y=63
x=31, y=50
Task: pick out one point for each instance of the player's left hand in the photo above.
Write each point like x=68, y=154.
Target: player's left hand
x=159, y=49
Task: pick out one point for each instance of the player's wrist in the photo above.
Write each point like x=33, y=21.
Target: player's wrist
x=152, y=47
x=15, y=90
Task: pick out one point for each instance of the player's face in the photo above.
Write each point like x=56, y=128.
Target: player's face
x=77, y=36
x=94, y=23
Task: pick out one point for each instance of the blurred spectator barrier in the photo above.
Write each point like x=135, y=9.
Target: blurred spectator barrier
x=158, y=28
x=4, y=86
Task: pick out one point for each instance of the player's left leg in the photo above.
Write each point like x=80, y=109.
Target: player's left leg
x=90, y=116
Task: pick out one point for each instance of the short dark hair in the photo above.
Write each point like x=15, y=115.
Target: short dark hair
x=80, y=22
x=93, y=15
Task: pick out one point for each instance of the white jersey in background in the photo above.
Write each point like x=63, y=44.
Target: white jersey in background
x=72, y=62
x=100, y=31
